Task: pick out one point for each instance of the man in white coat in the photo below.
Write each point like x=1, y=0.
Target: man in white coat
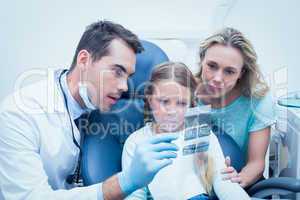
x=39, y=141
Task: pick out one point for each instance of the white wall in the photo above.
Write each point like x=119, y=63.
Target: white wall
x=40, y=34
x=273, y=27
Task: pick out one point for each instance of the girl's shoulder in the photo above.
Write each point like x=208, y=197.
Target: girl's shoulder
x=140, y=134
x=213, y=139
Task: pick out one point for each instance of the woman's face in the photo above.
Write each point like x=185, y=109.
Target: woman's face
x=169, y=103
x=221, y=69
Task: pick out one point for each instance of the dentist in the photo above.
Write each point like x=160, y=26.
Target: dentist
x=39, y=140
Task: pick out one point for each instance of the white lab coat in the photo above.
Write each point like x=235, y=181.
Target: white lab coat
x=37, y=152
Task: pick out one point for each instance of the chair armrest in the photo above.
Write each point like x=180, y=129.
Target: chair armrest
x=280, y=185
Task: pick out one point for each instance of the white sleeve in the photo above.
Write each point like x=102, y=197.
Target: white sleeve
x=127, y=155
x=22, y=175
x=225, y=190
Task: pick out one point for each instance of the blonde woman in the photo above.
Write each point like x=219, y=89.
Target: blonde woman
x=169, y=93
x=231, y=82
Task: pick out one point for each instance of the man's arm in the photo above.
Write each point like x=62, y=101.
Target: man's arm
x=149, y=157
x=22, y=174
x=111, y=189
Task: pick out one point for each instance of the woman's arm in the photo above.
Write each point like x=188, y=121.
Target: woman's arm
x=257, y=148
x=253, y=170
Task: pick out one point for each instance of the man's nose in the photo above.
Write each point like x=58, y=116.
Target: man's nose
x=123, y=86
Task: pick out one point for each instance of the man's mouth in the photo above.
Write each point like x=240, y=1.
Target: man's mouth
x=113, y=98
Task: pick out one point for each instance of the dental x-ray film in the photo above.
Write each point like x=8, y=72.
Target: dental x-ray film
x=197, y=130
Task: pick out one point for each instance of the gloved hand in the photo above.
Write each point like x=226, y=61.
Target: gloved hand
x=149, y=157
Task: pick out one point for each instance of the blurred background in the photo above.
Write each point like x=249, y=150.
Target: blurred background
x=40, y=34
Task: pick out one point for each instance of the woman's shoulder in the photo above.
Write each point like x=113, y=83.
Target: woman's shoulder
x=266, y=99
x=252, y=103
x=264, y=105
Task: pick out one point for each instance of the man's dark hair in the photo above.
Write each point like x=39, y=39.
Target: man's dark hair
x=98, y=36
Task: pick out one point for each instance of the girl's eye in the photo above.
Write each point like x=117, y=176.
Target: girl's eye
x=181, y=103
x=163, y=101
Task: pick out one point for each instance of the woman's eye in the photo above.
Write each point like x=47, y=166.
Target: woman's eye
x=212, y=66
x=229, y=72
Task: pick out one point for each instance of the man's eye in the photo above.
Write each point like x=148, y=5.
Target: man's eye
x=119, y=72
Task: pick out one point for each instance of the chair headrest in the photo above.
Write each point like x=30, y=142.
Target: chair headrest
x=145, y=61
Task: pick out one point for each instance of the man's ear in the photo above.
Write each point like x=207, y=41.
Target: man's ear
x=83, y=60
x=149, y=99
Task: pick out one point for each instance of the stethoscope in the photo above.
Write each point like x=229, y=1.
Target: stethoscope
x=75, y=176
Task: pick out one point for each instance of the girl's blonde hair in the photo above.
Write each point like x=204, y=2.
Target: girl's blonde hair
x=181, y=74
x=251, y=83
x=205, y=169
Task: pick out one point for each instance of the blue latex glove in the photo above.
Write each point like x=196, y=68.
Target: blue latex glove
x=149, y=157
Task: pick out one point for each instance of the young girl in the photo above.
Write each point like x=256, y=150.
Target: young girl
x=168, y=96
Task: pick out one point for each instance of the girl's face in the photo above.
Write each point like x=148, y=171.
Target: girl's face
x=221, y=69
x=169, y=103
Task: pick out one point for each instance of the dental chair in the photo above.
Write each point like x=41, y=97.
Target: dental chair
x=284, y=187
x=102, y=146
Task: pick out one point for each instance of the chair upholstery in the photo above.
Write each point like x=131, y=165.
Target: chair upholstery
x=230, y=148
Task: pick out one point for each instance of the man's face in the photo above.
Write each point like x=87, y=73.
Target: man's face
x=107, y=77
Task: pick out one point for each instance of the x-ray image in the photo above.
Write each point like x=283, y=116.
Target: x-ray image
x=197, y=130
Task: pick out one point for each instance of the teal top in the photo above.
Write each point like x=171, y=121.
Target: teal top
x=244, y=116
